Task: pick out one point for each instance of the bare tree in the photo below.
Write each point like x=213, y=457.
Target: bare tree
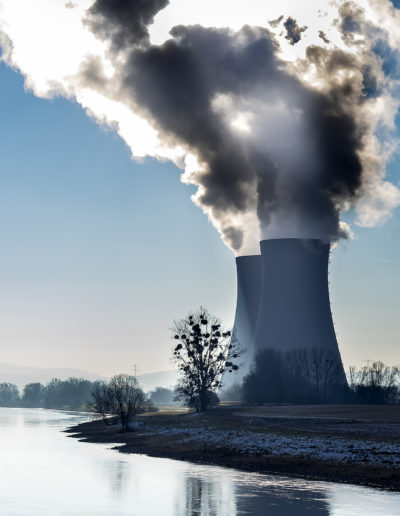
x=101, y=400
x=122, y=397
x=203, y=352
x=375, y=383
x=127, y=399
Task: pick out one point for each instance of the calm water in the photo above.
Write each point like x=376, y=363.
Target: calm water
x=43, y=472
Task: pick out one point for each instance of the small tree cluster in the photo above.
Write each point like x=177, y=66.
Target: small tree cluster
x=122, y=397
x=375, y=383
x=162, y=396
x=295, y=376
x=232, y=393
x=34, y=395
x=72, y=393
x=9, y=395
x=203, y=352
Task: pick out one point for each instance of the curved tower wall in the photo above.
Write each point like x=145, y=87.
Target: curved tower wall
x=248, y=270
x=294, y=311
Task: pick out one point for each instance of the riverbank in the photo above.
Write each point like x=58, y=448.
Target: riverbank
x=349, y=444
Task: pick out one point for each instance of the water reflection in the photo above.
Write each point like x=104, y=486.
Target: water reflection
x=119, y=476
x=203, y=496
x=234, y=493
x=45, y=472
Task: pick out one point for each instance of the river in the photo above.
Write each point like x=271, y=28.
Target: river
x=45, y=472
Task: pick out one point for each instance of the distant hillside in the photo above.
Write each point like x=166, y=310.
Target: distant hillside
x=20, y=375
x=160, y=379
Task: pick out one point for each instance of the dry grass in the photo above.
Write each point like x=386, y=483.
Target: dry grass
x=381, y=413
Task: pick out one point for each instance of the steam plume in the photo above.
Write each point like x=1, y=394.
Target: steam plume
x=278, y=129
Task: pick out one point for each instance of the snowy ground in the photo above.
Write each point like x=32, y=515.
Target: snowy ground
x=335, y=449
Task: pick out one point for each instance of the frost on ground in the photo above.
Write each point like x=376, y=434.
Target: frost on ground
x=333, y=449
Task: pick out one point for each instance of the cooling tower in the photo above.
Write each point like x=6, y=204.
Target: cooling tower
x=248, y=269
x=294, y=310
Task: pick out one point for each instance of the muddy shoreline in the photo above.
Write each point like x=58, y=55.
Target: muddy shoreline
x=346, y=450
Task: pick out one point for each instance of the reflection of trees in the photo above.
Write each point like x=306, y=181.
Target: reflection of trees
x=119, y=476
x=205, y=497
x=231, y=494
x=196, y=492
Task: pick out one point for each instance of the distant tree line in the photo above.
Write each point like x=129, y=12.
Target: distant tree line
x=163, y=396
x=73, y=394
x=9, y=395
x=302, y=376
x=70, y=394
x=311, y=377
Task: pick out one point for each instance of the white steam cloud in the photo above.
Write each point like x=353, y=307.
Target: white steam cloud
x=281, y=124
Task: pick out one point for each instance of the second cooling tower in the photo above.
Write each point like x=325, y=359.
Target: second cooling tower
x=248, y=272
x=294, y=310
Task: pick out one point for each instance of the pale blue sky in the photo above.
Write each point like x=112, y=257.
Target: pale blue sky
x=99, y=253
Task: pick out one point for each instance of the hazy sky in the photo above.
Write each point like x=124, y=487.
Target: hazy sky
x=100, y=253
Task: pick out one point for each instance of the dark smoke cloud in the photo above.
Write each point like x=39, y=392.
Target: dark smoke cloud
x=300, y=159
x=293, y=31
x=124, y=21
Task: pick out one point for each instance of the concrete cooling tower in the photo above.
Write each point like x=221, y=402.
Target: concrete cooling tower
x=294, y=311
x=248, y=269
